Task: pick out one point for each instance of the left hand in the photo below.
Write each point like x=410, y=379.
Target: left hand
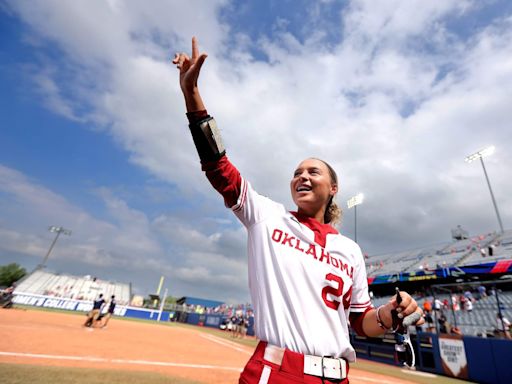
x=406, y=307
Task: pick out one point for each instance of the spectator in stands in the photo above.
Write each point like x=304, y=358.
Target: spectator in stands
x=93, y=315
x=462, y=300
x=446, y=304
x=427, y=305
x=468, y=306
x=430, y=321
x=438, y=304
x=503, y=325
x=469, y=295
x=455, y=303
x=482, y=291
x=443, y=324
x=110, y=311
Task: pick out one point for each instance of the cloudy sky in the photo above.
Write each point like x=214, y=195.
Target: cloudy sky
x=93, y=135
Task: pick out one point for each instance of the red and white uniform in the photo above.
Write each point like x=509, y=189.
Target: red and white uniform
x=304, y=277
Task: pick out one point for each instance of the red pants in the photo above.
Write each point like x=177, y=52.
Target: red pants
x=291, y=370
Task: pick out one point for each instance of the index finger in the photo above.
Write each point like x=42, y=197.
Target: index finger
x=195, y=49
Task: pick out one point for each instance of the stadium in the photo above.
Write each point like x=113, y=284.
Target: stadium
x=444, y=279
x=114, y=111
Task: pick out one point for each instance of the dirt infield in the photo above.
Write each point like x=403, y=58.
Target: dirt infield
x=58, y=339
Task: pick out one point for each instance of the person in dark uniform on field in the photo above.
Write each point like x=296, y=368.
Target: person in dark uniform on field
x=94, y=314
x=234, y=324
x=239, y=325
x=110, y=311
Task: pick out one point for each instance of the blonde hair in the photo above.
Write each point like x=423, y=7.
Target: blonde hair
x=333, y=212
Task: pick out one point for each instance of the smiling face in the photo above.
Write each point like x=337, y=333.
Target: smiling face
x=312, y=187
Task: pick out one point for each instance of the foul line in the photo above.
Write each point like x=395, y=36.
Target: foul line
x=366, y=378
x=226, y=343
x=116, y=361
x=418, y=373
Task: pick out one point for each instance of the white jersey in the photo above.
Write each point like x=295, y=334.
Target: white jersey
x=302, y=293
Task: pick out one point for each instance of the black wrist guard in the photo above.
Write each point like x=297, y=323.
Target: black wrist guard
x=206, y=136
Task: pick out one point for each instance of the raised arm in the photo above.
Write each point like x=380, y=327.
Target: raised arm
x=203, y=128
x=223, y=175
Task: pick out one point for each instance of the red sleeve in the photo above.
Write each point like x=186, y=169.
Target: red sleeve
x=356, y=321
x=225, y=178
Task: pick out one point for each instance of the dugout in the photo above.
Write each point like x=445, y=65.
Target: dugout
x=205, y=303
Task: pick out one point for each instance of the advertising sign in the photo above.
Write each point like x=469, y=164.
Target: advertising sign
x=453, y=356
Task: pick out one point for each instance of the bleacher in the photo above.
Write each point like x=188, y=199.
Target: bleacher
x=73, y=287
x=481, y=321
x=471, y=251
x=477, y=253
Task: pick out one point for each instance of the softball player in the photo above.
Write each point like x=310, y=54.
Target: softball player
x=93, y=315
x=307, y=281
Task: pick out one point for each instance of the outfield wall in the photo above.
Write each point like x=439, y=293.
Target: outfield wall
x=482, y=360
x=42, y=301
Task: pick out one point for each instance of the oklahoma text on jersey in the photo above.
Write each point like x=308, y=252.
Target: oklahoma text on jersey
x=314, y=250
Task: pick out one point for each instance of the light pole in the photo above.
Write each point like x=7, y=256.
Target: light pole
x=354, y=201
x=58, y=231
x=480, y=155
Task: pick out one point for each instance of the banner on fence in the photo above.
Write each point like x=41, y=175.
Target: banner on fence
x=453, y=356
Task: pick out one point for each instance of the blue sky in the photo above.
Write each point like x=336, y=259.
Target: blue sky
x=94, y=138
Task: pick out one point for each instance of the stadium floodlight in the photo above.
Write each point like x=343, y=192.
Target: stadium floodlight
x=480, y=156
x=487, y=151
x=353, y=202
x=58, y=231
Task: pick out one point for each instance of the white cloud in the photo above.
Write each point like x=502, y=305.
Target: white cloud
x=394, y=106
x=125, y=240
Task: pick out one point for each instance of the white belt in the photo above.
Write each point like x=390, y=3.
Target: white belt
x=326, y=367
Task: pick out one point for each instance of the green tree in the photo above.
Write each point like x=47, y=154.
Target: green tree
x=11, y=273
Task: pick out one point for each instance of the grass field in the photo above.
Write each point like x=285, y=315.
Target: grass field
x=51, y=346
x=24, y=374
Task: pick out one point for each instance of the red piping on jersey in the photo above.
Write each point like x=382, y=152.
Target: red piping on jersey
x=242, y=197
x=359, y=306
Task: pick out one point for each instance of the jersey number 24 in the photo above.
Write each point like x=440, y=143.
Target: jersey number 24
x=336, y=292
